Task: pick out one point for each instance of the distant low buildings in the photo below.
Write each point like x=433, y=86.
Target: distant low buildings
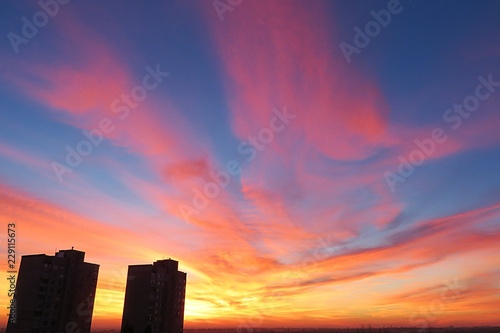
x=154, y=298
x=54, y=293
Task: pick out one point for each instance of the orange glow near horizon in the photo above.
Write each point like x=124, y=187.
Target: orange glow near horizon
x=320, y=289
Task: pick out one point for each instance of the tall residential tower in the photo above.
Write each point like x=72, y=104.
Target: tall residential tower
x=54, y=294
x=154, y=298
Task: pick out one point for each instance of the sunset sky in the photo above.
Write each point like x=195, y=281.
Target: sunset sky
x=303, y=170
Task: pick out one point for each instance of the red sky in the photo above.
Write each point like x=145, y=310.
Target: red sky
x=243, y=142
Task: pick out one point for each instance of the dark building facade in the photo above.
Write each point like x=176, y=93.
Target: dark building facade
x=54, y=294
x=154, y=298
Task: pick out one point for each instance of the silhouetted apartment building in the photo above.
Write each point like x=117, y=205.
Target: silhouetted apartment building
x=54, y=293
x=154, y=298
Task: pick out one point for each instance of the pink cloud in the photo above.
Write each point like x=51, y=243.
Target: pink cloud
x=340, y=112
